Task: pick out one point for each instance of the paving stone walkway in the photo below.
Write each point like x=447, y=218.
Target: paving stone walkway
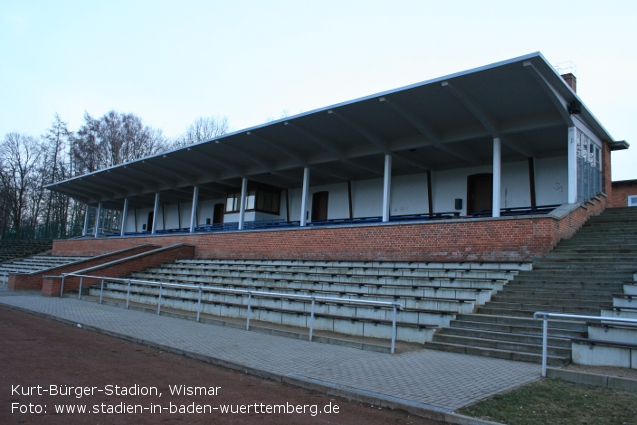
x=431, y=379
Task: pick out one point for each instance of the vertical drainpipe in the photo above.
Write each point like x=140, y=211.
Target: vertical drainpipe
x=497, y=176
x=387, y=188
x=572, y=165
x=193, y=210
x=306, y=187
x=242, y=202
x=124, y=215
x=155, y=213
x=97, y=219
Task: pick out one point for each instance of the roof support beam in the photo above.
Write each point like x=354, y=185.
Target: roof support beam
x=340, y=155
x=302, y=161
x=372, y=137
x=550, y=92
x=484, y=118
x=375, y=139
x=264, y=164
x=425, y=130
x=223, y=164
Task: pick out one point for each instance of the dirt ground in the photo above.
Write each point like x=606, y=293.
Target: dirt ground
x=47, y=365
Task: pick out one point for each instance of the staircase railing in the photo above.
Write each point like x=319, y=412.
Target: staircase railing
x=201, y=288
x=545, y=317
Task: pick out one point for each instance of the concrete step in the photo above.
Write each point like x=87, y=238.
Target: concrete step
x=525, y=338
x=516, y=329
x=505, y=345
x=527, y=311
x=501, y=354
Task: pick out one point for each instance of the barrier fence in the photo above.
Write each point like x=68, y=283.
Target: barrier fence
x=214, y=289
x=545, y=316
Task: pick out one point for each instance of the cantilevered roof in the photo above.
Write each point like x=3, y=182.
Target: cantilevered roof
x=444, y=123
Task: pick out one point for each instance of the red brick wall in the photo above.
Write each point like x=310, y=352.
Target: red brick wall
x=119, y=268
x=34, y=281
x=620, y=192
x=501, y=240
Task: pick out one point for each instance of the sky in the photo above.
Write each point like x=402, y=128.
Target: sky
x=170, y=62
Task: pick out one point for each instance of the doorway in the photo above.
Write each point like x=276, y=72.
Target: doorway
x=217, y=215
x=479, y=192
x=149, y=223
x=319, y=206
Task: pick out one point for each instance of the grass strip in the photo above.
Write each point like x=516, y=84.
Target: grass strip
x=556, y=402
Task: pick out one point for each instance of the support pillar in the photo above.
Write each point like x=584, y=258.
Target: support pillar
x=193, y=211
x=155, y=213
x=306, y=188
x=242, y=202
x=497, y=176
x=85, y=229
x=387, y=188
x=97, y=219
x=572, y=165
x=124, y=216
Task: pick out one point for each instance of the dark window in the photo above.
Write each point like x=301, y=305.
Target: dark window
x=265, y=200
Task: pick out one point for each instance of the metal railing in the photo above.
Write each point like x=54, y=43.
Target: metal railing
x=545, y=316
x=215, y=289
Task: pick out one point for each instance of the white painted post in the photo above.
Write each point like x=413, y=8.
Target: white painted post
x=124, y=216
x=572, y=165
x=393, y=330
x=545, y=331
x=159, y=299
x=199, y=304
x=128, y=294
x=155, y=214
x=62, y=285
x=79, y=294
x=387, y=188
x=85, y=229
x=249, y=310
x=306, y=188
x=312, y=319
x=97, y=219
x=497, y=176
x=242, y=202
x=193, y=211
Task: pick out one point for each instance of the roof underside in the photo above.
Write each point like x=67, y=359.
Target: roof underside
x=440, y=124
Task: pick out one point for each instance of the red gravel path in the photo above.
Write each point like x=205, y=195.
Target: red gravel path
x=36, y=351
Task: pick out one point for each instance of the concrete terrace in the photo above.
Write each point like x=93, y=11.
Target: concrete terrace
x=417, y=381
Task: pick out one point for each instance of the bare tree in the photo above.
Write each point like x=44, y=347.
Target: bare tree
x=113, y=139
x=19, y=178
x=203, y=128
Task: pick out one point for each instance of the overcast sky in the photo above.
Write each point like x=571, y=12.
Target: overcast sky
x=170, y=62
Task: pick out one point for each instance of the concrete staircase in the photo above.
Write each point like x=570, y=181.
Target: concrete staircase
x=432, y=293
x=579, y=277
x=34, y=264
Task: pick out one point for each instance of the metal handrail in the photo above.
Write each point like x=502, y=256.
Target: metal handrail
x=200, y=288
x=545, y=318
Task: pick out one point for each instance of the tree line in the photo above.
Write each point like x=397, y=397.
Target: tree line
x=28, y=163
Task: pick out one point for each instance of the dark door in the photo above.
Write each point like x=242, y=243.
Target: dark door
x=149, y=223
x=319, y=206
x=217, y=216
x=479, y=192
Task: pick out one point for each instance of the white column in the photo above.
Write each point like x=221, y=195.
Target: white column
x=306, y=189
x=85, y=230
x=155, y=213
x=242, y=202
x=124, y=216
x=497, y=176
x=387, y=188
x=572, y=165
x=97, y=219
x=193, y=210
